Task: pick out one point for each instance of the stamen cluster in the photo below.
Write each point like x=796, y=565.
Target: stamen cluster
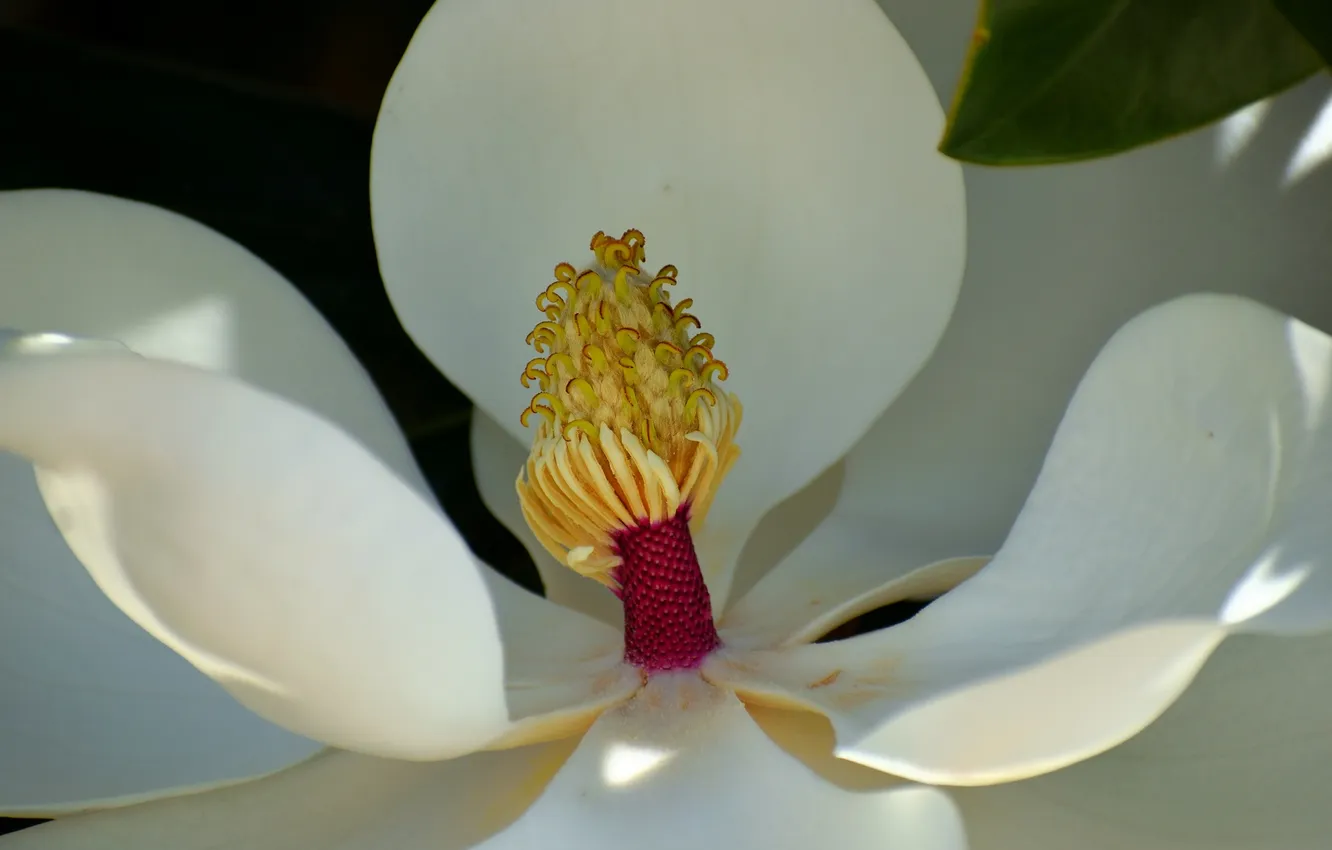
x=633, y=424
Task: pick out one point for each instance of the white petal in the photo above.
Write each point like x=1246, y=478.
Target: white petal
x=336, y=801
x=1243, y=760
x=1058, y=259
x=846, y=567
x=496, y=460
x=561, y=669
x=1182, y=498
x=683, y=765
x=94, y=709
x=809, y=737
x=802, y=199
x=169, y=288
x=831, y=557
x=784, y=527
x=269, y=549
x=946, y=469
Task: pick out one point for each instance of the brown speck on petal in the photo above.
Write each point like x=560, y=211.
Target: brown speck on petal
x=826, y=680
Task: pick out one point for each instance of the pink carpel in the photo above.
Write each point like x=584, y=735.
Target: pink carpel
x=667, y=610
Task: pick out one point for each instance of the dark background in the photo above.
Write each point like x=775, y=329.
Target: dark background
x=255, y=118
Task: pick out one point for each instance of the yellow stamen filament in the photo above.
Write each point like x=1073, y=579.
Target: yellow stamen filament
x=554, y=403
x=556, y=360
x=639, y=456
x=596, y=356
x=548, y=413
x=619, y=464
x=627, y=339
x=655, y=295
x=589, y=283
x=561, y=285
x=662, y=314
x=699, y=350
x=553, y=330
x=667, y=353
x=633, y=425
x=532, y=373
x=616, y=254
x=683, y=321
x=627, y=367
x=691, y=404
x=700, y=469
x=622, y=284
x=680, y=380
x=584, y=387
x=714, y=368
x=580, y=425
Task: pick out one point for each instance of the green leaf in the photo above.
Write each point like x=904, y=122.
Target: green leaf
x=1313, y=18
x=1059, y=80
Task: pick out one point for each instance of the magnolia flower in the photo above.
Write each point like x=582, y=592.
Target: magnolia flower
x=1178, y=502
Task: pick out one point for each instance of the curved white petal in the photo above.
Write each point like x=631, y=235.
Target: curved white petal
x=946, y=469
x=496, y=460
x=683, y=765
x=169, y=288
x=269, y=549
x=1243, y=760
x=809, y=737
x=1058, y=258
x=783, y=528
x=94, y=710
x=846, y=567
x=802, y=199
x=1183, y=498
x=561, y=668
x=336, y=801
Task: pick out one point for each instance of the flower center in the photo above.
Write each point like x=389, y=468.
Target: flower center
x=635, y=437
x=667, y=610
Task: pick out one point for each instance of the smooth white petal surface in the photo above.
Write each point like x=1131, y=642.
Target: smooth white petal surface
x=819, y=231
x=683, y=765
x=561, y=668
x=833, y=555
x=783, y=528
x=169, y=288
x=1058, y=258
x=1183, y=498
x=269, y=549
x=1243, y=760
x=496, y=459
x=336, y=801
x=809, y=737
x=846, y=567
x=94, y=709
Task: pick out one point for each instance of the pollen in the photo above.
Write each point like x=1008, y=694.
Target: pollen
x=632, y=426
